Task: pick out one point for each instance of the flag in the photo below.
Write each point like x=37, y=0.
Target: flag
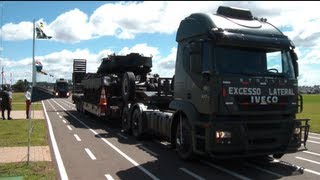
x=40, y=33
x=38, y=66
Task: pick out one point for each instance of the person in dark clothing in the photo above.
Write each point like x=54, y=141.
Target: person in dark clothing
x=5, y=102
x=28, y=101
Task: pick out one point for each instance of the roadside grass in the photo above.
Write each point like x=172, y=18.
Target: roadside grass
x=311, y=110
x=19, y=103
x=15, y=133
x=18, y=97
x=35, y=170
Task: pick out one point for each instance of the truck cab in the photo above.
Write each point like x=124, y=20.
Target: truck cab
x=236, y=86
x=61, y=88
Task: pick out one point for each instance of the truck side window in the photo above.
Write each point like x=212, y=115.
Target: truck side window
x=186, y=58
x=205, y=56
x=195, y=57
x=287, y=66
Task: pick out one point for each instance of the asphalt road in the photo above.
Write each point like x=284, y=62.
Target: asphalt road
x=88, y=148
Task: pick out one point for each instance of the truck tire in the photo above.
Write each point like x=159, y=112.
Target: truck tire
x=184, y=140
x=128, y=86
x=136, y=123
x=125, y=123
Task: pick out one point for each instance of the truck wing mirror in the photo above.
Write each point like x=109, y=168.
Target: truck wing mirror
x=294, y=57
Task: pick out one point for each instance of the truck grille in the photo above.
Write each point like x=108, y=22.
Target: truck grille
x=244, y=104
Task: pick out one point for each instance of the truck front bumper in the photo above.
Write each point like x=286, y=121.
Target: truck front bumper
x=230, y=139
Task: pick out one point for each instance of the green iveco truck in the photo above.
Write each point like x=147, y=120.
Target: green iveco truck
x=234, y=92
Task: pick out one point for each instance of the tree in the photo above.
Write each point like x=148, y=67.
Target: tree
x=20, y=86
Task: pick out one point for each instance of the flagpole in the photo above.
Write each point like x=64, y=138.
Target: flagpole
x=33, y=61
x=33, y=85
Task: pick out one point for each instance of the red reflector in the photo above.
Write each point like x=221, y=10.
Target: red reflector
x=224, y=92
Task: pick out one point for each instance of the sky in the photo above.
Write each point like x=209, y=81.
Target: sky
x=95, y=29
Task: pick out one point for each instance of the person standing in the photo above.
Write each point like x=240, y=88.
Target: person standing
x=28, y=101
x=6, y=102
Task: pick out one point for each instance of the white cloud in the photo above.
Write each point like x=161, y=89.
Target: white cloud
x=60, y=64
x=299, y=20
x=71, y=26
x=165, y=66
x=16, y=32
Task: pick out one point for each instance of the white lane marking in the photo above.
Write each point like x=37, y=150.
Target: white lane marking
x=192, y=174
x=298, y=167
x=312, y=137
x=57, y=113
x=60, y=117
x=226, y=170
x=305, y=159
x=67, y=102
x=312, y=171
x=64, y=121
x=112, y=146
x=264, y=170
x=148, y=150
x=62, y=170
x=313, y=153
x=108, y=176
x=316, y=134
x=124, y=137
x=90, y=154
x=77, y=137
x=315, y=142
x=69, y=127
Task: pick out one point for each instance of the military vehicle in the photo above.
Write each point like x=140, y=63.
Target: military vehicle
x=234, y=92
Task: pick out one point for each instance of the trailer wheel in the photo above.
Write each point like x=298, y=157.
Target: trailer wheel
x=128, y=86
x=125, y=120
x=136, y=123
x=184, y=139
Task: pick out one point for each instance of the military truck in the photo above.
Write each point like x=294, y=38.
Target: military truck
x=234, y=92
x=61, y=88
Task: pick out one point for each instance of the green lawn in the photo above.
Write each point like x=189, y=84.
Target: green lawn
x=35, y=170
x=19, y=103
x=311, y=110
x=15, y=133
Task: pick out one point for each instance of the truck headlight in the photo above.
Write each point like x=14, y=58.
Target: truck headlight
x=223, y=134
x=296, y=130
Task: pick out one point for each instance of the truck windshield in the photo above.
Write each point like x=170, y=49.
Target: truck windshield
x=253, y=62
x=62, y=86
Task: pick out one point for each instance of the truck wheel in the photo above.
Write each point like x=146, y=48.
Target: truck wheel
x=136, y=123
x=125, y=120
x=128, y=86
x=184, y=140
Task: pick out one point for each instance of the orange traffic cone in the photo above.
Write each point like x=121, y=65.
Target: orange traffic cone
x=103, y=100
